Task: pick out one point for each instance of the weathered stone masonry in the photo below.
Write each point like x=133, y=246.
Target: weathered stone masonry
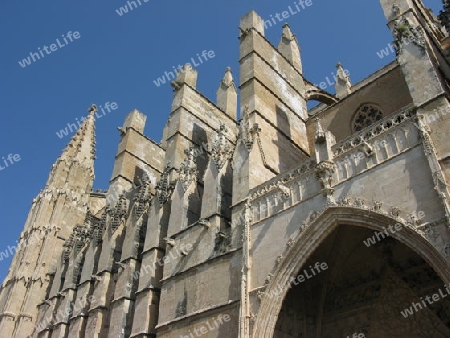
x=214, y=221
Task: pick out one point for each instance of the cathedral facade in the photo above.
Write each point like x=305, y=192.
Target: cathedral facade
x=327, y=222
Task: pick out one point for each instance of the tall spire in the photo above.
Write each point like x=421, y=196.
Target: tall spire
x=82, y=145
x=80, y=149
x=57, y=209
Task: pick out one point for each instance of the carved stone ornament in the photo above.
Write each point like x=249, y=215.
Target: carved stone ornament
x=446, y=251
x=319, y=135
x=221, y=148
x=188, y=169
x=247, y=132
x=119, y=212
x=404, y=34
x=374, y=129
x=377, y=206
x=395, y=212
x=97, y=228
x=324, y=172
x=164, y=187
x=143, y=197
x=80, y=235
x=395, y=10
x=204, y=222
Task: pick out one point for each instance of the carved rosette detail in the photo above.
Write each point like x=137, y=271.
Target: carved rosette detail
x=188, y=169
x=221, y=148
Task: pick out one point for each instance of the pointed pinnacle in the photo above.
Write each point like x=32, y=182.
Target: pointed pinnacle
x=287, y=33
x=228, y=77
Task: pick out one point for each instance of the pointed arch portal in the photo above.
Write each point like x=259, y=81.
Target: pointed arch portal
x=363, y=290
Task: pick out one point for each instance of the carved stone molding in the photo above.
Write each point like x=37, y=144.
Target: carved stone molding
x=378, y=128
x=317, y=231
x=282, y=180
x=245, y=313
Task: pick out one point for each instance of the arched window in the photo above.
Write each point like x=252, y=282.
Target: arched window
x=366, y=115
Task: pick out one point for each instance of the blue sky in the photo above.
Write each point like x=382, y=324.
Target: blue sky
x=117, y=58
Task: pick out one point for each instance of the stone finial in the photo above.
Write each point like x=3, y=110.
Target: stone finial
x=343, y=85
x=228, y=78
x=93, y=109
x=320, y=133
x=186, y=75
x=290, y=48
x=227, y=94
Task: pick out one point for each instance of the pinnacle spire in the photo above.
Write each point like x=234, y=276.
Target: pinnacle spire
x=290, y=48
x=227, y=94
x=343, y=84
x=82, y=145
x=80, y=150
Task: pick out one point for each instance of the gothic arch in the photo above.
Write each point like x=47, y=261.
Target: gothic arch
x=314, y=235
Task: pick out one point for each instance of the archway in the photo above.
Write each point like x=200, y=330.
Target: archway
x=321, y=96
x=365, y=289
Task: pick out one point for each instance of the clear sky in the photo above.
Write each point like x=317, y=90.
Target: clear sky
x=117, y=58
